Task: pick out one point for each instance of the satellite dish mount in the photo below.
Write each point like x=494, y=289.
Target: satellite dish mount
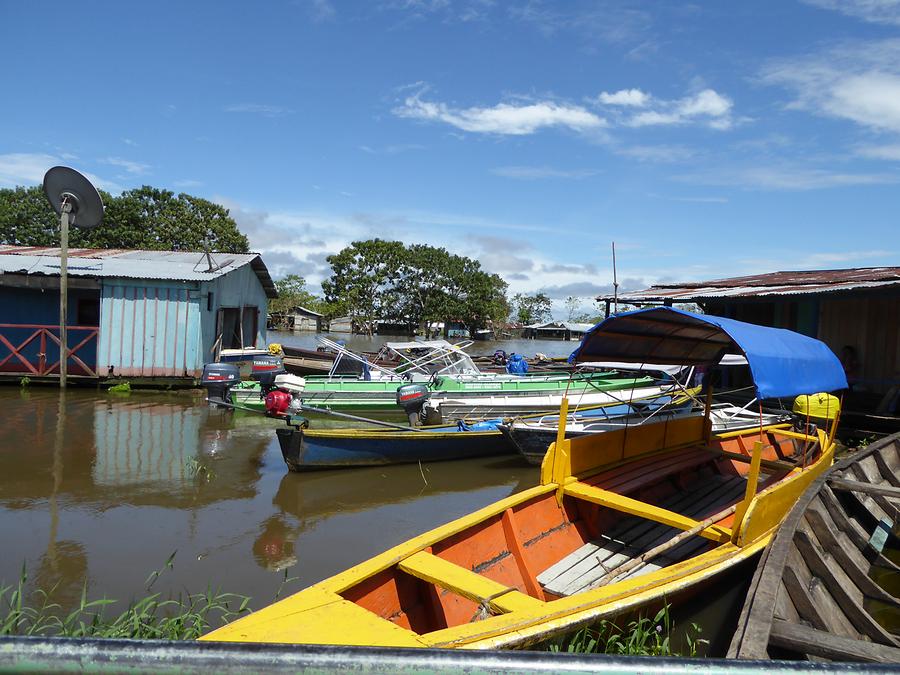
x=78, y=203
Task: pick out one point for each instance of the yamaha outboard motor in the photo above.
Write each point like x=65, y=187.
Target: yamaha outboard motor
x=265, y=369
x=218, y=379
x=411, y=397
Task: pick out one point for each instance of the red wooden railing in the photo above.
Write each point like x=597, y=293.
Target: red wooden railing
x=37, y=363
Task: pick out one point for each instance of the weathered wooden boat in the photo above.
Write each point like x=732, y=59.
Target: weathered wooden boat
x=531, y=436
x=816, y=593
x=620, y=519
x=305, y=449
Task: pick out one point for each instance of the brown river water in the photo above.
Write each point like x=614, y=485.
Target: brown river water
x=100, y=489
x=108, y=492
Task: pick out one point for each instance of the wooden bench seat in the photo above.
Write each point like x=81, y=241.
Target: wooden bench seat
x=633, y=535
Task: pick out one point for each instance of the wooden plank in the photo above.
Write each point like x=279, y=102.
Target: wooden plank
x=845, y=593
x=609, y=545
x=508, y=522
x=850, y=559
x=805, y=640
x=867, y=488
x=852, y=528
x=886, y=471
x=581, y=570
x=774, y=464
x=445, y=574
x=637, y=532
x=643, y=510
x=812, y=600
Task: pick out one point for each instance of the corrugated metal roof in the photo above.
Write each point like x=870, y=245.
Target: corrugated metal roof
x=773, y=284
x=132, y=264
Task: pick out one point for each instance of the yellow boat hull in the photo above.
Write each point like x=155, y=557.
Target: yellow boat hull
x=474, y=582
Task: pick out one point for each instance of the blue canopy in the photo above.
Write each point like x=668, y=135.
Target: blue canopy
x=783, y=363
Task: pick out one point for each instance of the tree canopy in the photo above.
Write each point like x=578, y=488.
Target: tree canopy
x=531, y=308
x=416, y=284
x=142, y=218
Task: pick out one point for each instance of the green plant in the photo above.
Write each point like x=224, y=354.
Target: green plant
x=24, y=381
x=185, y=617
x=641, y=637
x=121, y=388
x=198, y=469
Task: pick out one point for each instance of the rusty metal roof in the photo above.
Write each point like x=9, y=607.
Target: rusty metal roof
x=132, y=264
x=773, y=284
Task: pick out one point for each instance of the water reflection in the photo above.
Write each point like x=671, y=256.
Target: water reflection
x=304, y=502
x=100, y=489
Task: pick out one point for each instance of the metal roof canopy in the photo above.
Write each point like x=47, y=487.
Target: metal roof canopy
x=783, y=363
x=133, y=264
x=773, y=284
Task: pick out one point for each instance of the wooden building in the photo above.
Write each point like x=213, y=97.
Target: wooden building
x=556, y=330
x=140, y=315
x=856, y=312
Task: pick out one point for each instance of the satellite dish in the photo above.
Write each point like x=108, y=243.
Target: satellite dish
x=64, y=185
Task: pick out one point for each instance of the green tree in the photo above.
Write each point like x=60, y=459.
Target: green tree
x=146, y=217
x=572, y=305
x=363, y=278
x=419, y=285
x=292, y=293
x=532, y=308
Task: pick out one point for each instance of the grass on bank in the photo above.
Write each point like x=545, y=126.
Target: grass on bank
x=640, y=637
x=152, y=617
x=188, y=616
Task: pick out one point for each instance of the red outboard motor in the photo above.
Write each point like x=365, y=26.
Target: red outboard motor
x=412, y=397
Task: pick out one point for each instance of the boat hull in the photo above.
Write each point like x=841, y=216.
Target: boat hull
x=307, y=450
x=490, y=579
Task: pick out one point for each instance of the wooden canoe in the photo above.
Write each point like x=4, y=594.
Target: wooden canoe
x=816, y=593
x=537, y=563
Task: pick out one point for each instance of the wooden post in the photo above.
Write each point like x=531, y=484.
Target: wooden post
x=63, y=288
x=750, y=493
x=557, y=461
x=707, y=409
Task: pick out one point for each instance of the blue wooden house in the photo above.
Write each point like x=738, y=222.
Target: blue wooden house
x=134, y=314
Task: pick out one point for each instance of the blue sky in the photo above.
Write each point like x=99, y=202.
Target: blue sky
x=707, y=139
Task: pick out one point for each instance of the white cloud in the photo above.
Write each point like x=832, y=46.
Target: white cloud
x=187, y=183
x=707, y=106
x=859, y=82
x=657, y=153
x=29, y=169
x=787, y=178
x=136, y=168
x=258, y=109
x=624, y=97
x=873, y=11
x=503, y=118
x=889, y=152
x=536, y=172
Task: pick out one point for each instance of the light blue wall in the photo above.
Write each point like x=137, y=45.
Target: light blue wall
x=149, y=328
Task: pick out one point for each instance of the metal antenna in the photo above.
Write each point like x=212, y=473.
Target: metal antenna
x=78, y=203
x=615, y=282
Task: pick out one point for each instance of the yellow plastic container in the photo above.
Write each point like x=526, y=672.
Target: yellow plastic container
x=818, y=406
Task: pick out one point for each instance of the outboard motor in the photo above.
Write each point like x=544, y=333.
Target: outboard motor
x=411, y=397
x=218, y=379
x=265, y=369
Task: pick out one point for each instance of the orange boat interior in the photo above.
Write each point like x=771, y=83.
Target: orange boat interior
x=544, y=550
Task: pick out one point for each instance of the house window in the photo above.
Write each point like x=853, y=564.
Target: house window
x=237, y=326
x=88, y=312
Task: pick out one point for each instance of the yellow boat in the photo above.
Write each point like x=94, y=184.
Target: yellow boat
x=620, y=520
